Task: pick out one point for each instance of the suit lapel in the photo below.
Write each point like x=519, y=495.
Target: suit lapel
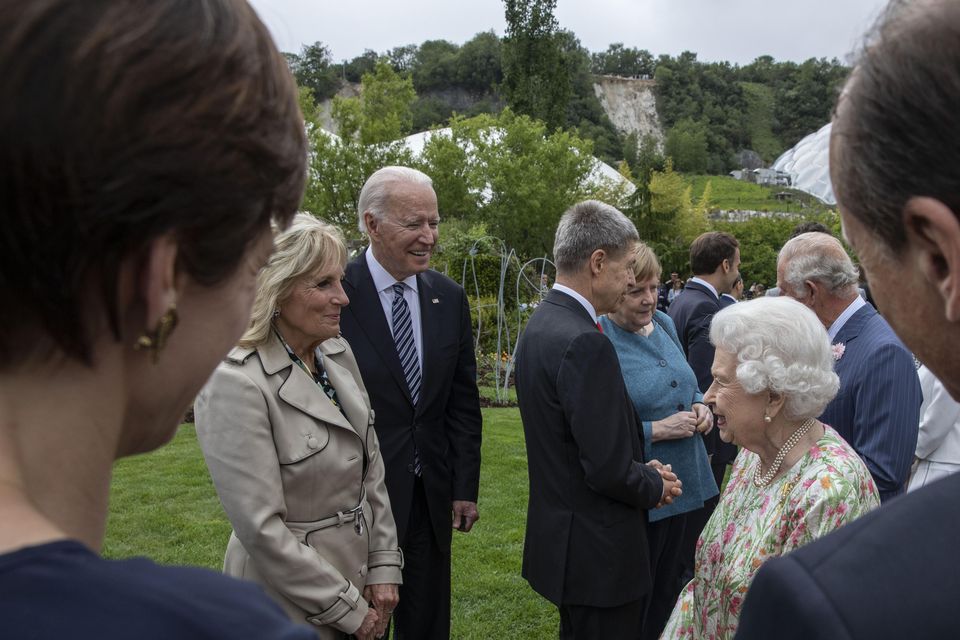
x=366, y=308
x=849, y=332
x=431, y=310
x=299, y=390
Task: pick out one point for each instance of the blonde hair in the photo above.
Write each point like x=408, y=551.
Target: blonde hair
x=307, y=246
x=647, y=265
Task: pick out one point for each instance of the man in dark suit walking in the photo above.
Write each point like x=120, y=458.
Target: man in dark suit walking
x=585, y=548
x=877, y=409
x=409, y=328
x=715, y=261
x=895, y=167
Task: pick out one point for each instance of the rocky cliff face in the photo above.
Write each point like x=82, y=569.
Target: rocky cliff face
x=630, y=104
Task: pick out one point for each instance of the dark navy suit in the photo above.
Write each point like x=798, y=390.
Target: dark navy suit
x=892, y=574
x=445, y=427
x=877, y=409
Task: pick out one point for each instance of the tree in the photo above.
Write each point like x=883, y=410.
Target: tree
x=313, y=69
x=535, y=75
x=686, y=143
x=339, y=166
x=365, y=63
x=386, y=100
x=479, y=69
x=510, y=173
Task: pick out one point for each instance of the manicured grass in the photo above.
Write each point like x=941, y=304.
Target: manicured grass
x=163, y=506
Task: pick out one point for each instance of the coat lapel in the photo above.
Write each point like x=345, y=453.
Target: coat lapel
x=342, y=379
x=366, y=308
x=299, y=390
x=849, y=332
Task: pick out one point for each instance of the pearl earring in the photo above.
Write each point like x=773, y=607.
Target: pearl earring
x=767, y=419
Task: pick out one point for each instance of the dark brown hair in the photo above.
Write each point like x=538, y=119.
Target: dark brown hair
x=122, y=121
x=896, y=130
x=709, y=251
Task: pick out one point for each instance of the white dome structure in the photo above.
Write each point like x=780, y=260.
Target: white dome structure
x=808, y=164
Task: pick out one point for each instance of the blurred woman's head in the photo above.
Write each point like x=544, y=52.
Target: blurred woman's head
x=772, y=355
x=147, y=147
x=299, y=288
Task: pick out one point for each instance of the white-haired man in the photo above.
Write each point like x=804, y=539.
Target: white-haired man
x=877, y=409
x=409, y=328
x=895, y=167
x=585, y=548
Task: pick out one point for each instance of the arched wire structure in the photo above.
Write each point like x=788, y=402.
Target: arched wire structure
x=528, y=293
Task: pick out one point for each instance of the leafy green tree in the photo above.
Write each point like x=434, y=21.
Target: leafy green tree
x=510, y=173
x=479, y=68
x=618, y=60
x=535, y=75
x=686, y=143
x=435, y=66
x=313, y=68
x=386, y=101
x=403, y=59
x=364, y=63
x=340, y=165
x=803, y=104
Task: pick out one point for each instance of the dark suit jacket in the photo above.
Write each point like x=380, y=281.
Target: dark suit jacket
x=877, y=409
x=589, y=488
x=894, y=573
x=692, y=313
x=446, y=424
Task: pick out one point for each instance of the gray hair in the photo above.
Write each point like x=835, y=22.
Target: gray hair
x=586, y=227
x=819, y=257
x=781, y=346
x=376, y=190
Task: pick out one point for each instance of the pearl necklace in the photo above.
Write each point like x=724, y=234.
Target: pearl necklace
x=764, y=479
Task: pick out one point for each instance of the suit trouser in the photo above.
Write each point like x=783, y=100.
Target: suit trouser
x=665, y=540
x=424, y=609
x=578, y=622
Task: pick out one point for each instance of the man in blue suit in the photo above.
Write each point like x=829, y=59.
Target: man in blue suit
x=877, y=409
x=715, y=261
x=895, y=167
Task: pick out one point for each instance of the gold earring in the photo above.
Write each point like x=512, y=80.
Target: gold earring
x=154, y=341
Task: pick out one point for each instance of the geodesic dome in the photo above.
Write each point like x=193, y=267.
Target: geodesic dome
x=808, y=164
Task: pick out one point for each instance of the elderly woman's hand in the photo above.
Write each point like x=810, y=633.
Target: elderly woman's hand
x=384, y=599
x=682, y=424
x=368, y=627
x=704, y=418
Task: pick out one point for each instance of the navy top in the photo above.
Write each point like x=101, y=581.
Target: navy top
x=661, y=383
x=63, y=590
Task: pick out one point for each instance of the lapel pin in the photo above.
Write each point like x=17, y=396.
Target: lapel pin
x=435, y=301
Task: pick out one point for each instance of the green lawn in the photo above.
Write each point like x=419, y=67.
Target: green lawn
x=163, y=506
x=727, y=193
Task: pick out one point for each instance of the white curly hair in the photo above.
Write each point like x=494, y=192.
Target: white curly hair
x=781, y=346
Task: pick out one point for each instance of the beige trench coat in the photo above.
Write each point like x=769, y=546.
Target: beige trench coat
x=285, y=461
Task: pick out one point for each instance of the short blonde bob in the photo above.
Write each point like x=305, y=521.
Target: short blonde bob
x=307, y=246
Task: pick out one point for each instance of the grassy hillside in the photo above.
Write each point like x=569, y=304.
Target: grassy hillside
x=760, y=120
x=729, y=193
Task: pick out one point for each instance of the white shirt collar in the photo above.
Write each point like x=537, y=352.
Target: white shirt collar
x=383, y=280
x=579, y=298
x=843, y=317
x=706, y=284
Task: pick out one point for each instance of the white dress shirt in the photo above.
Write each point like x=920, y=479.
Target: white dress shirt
x=706, y=284
x=384, y=282
x=841, y=320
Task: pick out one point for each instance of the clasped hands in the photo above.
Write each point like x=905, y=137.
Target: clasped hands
x=672, y=485
x=684, y=424
x=383, y=599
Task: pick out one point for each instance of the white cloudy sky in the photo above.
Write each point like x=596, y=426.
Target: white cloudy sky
x=734, y=30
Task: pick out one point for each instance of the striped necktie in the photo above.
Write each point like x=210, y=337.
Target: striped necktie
x=409, y=359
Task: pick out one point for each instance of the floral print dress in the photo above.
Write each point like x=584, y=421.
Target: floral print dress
x=829, y=487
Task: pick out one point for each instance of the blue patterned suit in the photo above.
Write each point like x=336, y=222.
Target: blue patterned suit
x=877, y=409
